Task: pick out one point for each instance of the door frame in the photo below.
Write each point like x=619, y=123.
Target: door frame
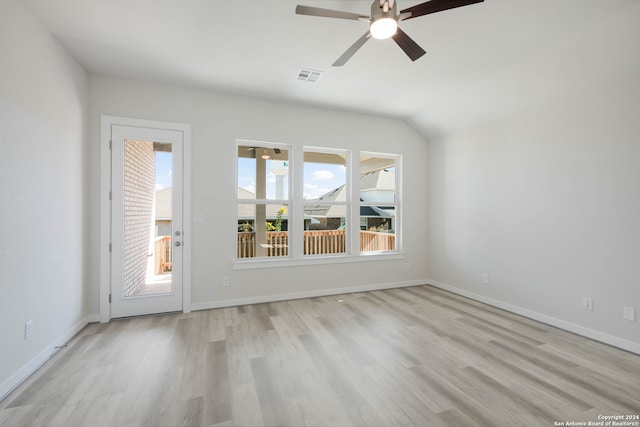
x=106, y=123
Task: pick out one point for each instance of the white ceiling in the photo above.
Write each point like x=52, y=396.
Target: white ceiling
x=483, y=61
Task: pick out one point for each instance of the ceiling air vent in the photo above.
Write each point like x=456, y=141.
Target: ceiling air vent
x=310, y=76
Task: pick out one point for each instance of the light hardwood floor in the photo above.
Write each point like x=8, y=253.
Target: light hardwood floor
x=415, y=356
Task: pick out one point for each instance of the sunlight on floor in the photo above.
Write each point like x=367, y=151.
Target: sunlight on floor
x=158, y=284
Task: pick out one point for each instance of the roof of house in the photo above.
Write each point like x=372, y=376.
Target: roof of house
x=380, y=180
x=163, y=204
x=383, y=179
x=247, y=211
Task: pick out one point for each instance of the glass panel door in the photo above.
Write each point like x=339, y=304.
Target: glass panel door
x=146, y=221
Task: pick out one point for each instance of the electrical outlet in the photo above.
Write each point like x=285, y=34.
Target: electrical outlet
x=485, y=278
x=587, y=303
x=407, y=266
x=28, y=330
x=630, y=314
x=225, y=281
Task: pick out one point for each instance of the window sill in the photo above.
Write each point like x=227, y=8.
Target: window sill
x=256, y=263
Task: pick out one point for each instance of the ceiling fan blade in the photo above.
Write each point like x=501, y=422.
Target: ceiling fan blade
x=353, y=49
x=328, y=13
x=407, y=44
x=434, y=6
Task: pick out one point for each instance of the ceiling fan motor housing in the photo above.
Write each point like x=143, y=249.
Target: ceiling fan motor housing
x=378, y=10
x=384, y=20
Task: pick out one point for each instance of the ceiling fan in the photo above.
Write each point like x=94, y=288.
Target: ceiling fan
x=383, y=22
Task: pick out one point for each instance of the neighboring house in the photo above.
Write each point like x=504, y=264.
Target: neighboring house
x=247, y=212
x=163, y=212
x=377, y=186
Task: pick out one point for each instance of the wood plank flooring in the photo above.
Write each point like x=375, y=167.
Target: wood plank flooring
x=414, y=356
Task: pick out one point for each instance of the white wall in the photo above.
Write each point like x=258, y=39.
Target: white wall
x=547, y=202
x=43, y=105
x=217, y=121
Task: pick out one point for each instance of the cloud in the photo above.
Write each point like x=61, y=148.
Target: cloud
x=313, y=191
x=246, y=182
x=322, y=175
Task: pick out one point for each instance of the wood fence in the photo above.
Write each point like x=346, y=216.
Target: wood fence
x=316, y=242
x=162, y=254
x=371, y=241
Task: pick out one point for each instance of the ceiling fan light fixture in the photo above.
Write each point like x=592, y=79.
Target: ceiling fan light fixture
x=384, y=21
x=383, y=28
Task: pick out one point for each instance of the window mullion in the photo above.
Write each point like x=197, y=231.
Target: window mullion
x=261, y=208
x=296, y=231
x=398, y=204
x=354, y=208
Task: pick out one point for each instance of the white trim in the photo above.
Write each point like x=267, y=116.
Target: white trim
x=353, y=211
x=18, y=377
x=305, y=294
x=274, y=262
x=618, y=342
x=399, y=201
x=186, y=218
x=106, y=122
x=105, y=216
x=296, y=180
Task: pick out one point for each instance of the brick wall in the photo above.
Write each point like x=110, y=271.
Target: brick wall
x=139, y=191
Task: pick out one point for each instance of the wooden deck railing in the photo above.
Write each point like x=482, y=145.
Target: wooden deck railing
x=162, y=254
x=246, y=244
x=372, y=241
x=277, y=243
x=324, y=242
x=316, y=242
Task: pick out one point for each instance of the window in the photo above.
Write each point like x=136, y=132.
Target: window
x=263, y=199
x=378, y=202
x=326, y=202
x=314, y=203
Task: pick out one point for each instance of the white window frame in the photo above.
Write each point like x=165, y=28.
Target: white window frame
x=266, y=201
x=296, y=205
x=397, y=203
x=348, y=204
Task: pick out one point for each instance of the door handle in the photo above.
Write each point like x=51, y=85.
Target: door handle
x=178, y=243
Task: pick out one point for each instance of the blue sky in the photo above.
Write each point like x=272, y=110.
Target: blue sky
x=163, y=170
x=318, y=178
x=321, y=178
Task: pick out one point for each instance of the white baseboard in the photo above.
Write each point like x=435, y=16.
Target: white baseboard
x=612, y=340
x=92, y=318
x=306, y=294
x=34, y=364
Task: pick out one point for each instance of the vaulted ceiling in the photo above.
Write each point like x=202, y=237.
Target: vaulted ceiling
x=483, y=61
